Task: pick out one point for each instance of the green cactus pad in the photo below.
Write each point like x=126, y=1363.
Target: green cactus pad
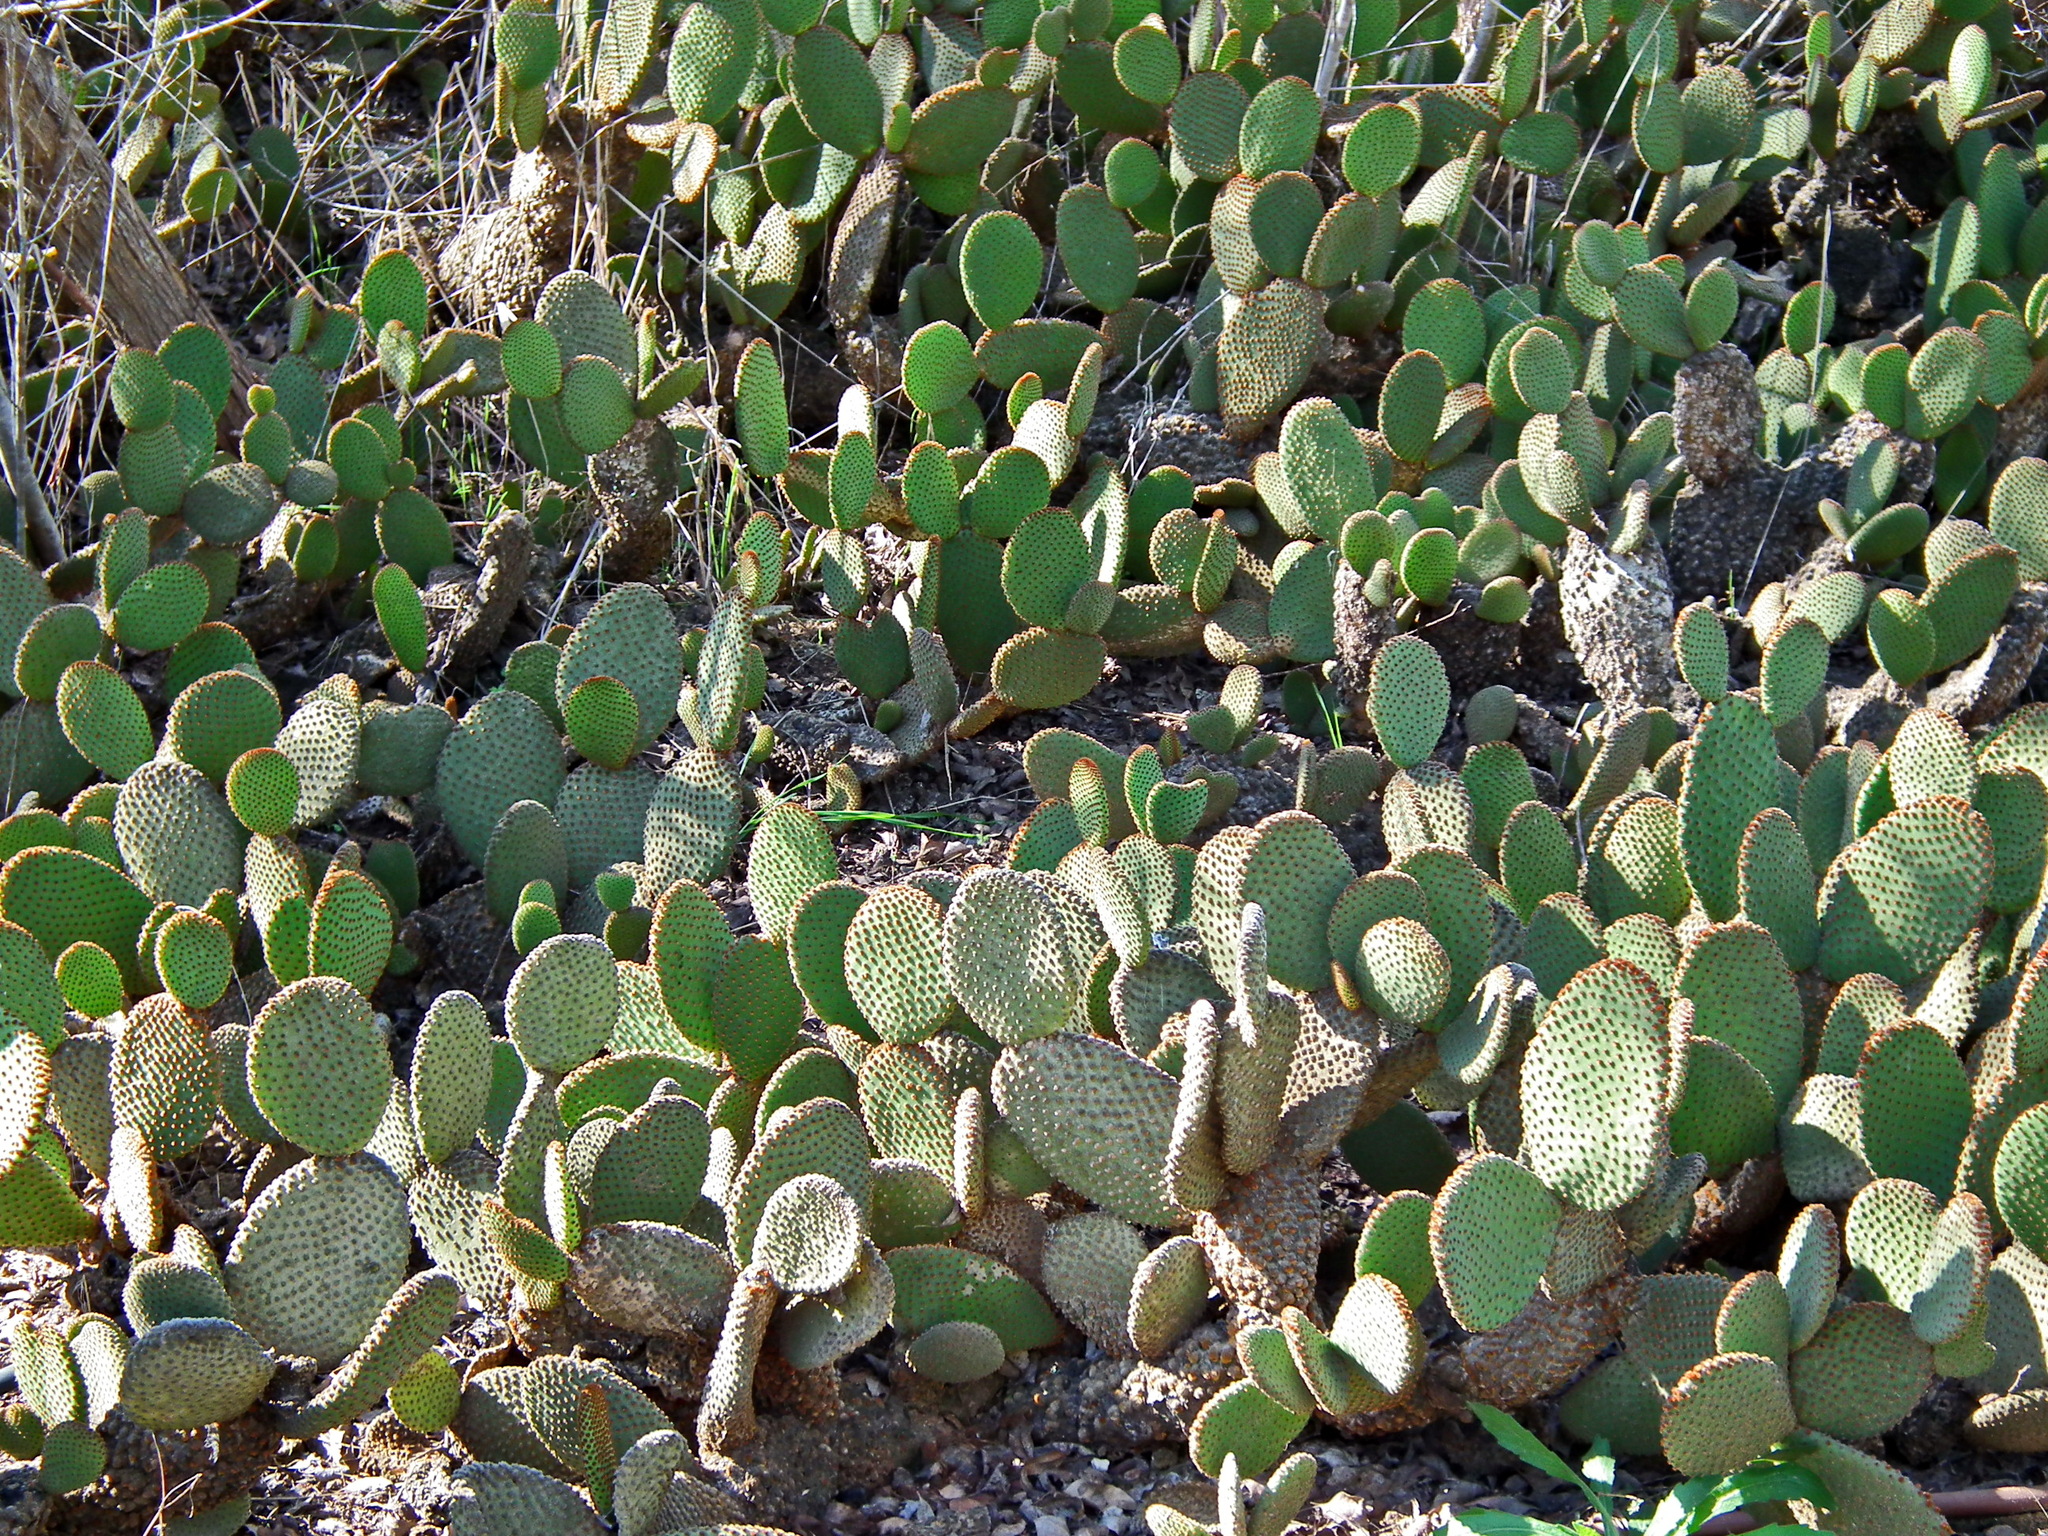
x=90, y=980
x=1402, y=972
x=319, y=1068
x=1169, y=1293
x=652, y=1168
x=1593, y=1087
x=1096, y=1117
x=192, y=1372
x=162, y=1079
x=1007, y=958
x=895, y=964
x=58, y=636
x=176, y=834
x=1089, y=1265
x=526, y=845
x=1755, y=1318
x=689, y=936
x=563, y=1002
x=502, y=751
x=195, y=958
x=1409, y=699
x=1743, y=995
x=756, y=1009
x=938, y=1284
x=350, y=929
x=1895, y=901
x=450, y=1075
x=1001, y=266
x=823, y=1136
x=1241, y=1421
x=959, y=1350
x=811, y=1234
x=1916, y=1106
x=103, y=718
x=1861, y=1372
x=790, y=856
x=319, y=1254
x=424, y=1395
x=445, y=1203
x=1730, y=777
x=1491, y=1237
x=693, y=820
x=159, y=608
x=1726, y=1412
x=419, y=1313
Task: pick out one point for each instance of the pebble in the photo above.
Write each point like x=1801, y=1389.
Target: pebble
x=1342, y=1508
x=1049, y=1525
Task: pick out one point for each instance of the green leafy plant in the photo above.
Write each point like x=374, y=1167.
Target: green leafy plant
x=1686, y=1508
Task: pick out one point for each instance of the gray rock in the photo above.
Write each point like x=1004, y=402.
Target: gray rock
x=1746, y=532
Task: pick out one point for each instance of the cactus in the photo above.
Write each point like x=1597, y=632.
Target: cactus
x=322, y=1250
x=1697, y=934
x=319, y=1068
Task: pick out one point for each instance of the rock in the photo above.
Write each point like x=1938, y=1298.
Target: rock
x=798, y=1465
x=1618, y=611
x=276, y=606
x=1743, y=533
x=1263, y=1240
x=1361, y=629
x=464, y=946
x=1145, y=434
x=2022, y=432
x=1114, y=1406
x=1546, y=740
x=1916, y=459
x=1542, y=1349
x=1476, y=651
x=1727, y=1208
x=23, y=1504
x=1716, y=414
x=1871, y=713
x=1849, y=207
x=200, y=1468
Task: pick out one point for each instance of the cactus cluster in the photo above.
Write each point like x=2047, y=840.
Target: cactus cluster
x=1476, y=369
x=1678, y=961
x=1524, y=442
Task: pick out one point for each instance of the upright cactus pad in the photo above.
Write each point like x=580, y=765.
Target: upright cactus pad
x=319, y=1068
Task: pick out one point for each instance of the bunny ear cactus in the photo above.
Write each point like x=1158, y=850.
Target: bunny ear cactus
x=1409, y=700
x=1655, y=955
